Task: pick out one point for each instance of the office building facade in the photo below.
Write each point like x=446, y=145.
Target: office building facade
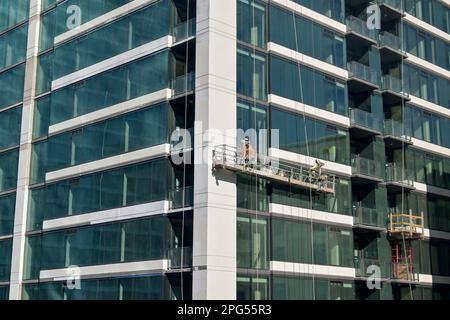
x=224, y=149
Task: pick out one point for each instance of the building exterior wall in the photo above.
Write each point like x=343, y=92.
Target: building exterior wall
x=94, y=202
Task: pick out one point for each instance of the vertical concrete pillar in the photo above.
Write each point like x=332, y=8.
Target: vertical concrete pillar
x=20, y=220
x=214, y=251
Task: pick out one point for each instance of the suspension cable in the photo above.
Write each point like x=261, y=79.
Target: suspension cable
x=310, y=213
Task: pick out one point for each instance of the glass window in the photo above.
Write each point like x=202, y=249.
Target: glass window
x=7, y=209
x=312, y=39
x=129, y=32
x=13, y=12
x=13, y=92
x=129, y=241
x=13, y=46
x=127, y=82
x=131, y=132
x=323, y=141
x=9, y=162
x=315, y=88
x=251, y=17
x=5, y=259
x=252, y=242
x=10, y=126
x=251, y=74
x=132, y=185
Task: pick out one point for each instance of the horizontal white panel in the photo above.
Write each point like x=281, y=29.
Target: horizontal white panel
x=111, y=63
x=112, y=111
x=310, y=111
x=308, y=214
x=431, y=147
x=117, y=214
x=106, y=270
x=333, y=167
x=102, y=20
x=108, y=163
x=429, y=106
x=427, y=27
x=312, y=15
x=312, y=269
x=430, y=279
x=428, y=66
x=436, y=234
x=308, y=61
x=422, y=187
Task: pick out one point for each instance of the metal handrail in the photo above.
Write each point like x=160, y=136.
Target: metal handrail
x=269, y=167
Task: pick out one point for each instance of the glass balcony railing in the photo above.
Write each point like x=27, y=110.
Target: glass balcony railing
x=396, y=129
x=180, y=257
x=390, y=40
x=359, y=26
x=366, y=167
x=183, y=84
x=179, y=196
x=397, y=174
x=394, y=84
x=184, y=30
x=361, y=71
x=369, y=216
x=365, y=119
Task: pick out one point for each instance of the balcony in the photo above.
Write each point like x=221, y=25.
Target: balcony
x=361, y=77
x=180, y=258
x=181, y=198
x=395, y=135
x=393, y=90
x=366, y=171
x=184, y=30
x=369, y=218
x=364, y=124
x=398, y=179
x=390, y=48
x=358, y=33
x=182, y=85
x=391, y=10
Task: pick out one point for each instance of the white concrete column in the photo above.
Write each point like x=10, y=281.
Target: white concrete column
x=20, y=219
x=214, y=250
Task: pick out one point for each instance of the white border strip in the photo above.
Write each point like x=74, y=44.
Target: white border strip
x=102, y=20
x=308, y=61
x=313, y=15
x=311, y=111
x=430, y=279
x=424, y=188
x=313, y=269
x=108, y=64
x=112, y=215
x=427, y=27
x=430, y=233
x=308, y=214
x=112, y=111
x=108, y=163
x=431, y=147
x=330, y=166
x=429, y=106
x=424, y=64
x=106, y=270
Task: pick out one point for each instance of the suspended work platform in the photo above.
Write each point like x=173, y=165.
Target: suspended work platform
x=314, y=178
x=406, y=226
